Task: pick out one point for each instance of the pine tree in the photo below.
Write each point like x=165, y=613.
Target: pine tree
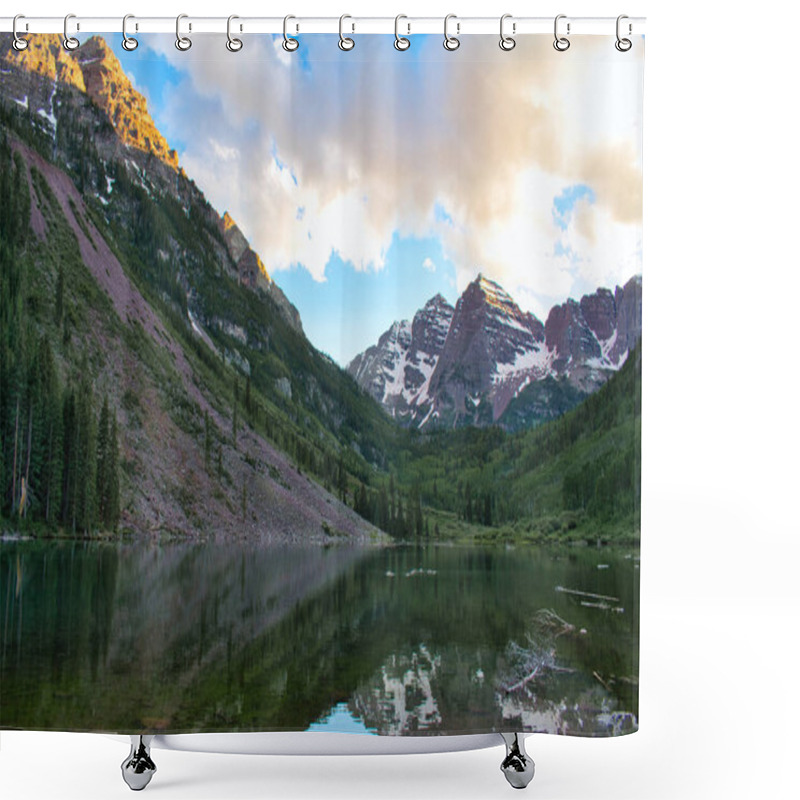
x=207, y=443
x=113, y=500
x=383, y=518
x=103, y=436
x=60, y=294
x=47, y=475
x=417, y=512
x=87, y=498
x=69, y=459
x=341, y=478
x=362, y=503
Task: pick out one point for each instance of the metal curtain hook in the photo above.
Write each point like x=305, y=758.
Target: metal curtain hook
x=233, y=44
x=183, y=43
x=19, y=43
x=561, y=43
x=290, y=44
x=451, y=42
x=400, y=42
x=128, y=42
x=507, y=42
x=623, y=45
x=345, y=42
x=70, y=42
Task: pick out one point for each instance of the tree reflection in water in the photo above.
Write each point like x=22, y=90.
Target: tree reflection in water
x=406, y=640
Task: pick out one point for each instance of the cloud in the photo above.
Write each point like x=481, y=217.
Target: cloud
x=429, y=265
x=223, y=152
x=471, y=146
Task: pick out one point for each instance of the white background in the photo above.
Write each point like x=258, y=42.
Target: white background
x=719, y=605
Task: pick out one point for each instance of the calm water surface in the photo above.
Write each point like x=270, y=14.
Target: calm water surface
x=401, y=640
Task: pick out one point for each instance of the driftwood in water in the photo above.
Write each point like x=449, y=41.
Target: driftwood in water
x=599, y=678
x=520, y=684
x=587, y=594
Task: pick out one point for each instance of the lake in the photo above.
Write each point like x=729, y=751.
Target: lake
x=136, y=638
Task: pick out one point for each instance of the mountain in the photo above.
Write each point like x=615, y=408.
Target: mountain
x=486, y=361
x=156, y=382
x=93, y=69
x=39, y=81
x=397, y=370
x=164, y=376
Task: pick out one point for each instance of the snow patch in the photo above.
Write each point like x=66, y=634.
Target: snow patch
x=537, y=361
x=50, y=116
x=428, y=416
x=605, y=361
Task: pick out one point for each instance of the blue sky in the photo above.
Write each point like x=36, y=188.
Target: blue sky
x=370, y=180
x=395, y=292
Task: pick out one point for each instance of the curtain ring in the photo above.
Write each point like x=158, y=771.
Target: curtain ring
x=233, y=44
x=345, y=42
x=128, y=42
x=451, y=42
x=19, y=43
x=400, y=42
x=183, y=43
x=70, y=42
x=623, y=45
x=561, y=43
x=290, y=44
x=507, y=42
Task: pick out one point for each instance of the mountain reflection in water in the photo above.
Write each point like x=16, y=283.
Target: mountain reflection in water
x=400, y=640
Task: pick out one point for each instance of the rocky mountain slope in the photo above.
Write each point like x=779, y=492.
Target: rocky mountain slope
x=49, y=82
x=486, y=361
x=142, y=339
x=397, y=370
x=120, y=288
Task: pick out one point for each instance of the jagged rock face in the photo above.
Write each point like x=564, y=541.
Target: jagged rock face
x=568, y=333
x=489, y=334
x=252, y=272
x=600, y=312
x=234, y=238
x=45, y=77
x=109, y=87
x=628, y=302
x=93, y=68
x=601, y=330
x=44, y=56
x=430, y=326
x=397, y=370
x=487, y=355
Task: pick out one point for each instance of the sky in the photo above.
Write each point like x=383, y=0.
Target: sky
x=370, y=180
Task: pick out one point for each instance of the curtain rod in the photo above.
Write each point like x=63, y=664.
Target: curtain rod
x=407, y=26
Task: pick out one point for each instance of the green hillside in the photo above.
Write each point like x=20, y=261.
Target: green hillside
x=576, y=477
x=122, y=418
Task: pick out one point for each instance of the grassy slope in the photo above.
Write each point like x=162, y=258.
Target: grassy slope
x=161, y=389
x=576, y=477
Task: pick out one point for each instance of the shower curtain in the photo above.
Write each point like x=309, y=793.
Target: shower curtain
x=321, y=370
